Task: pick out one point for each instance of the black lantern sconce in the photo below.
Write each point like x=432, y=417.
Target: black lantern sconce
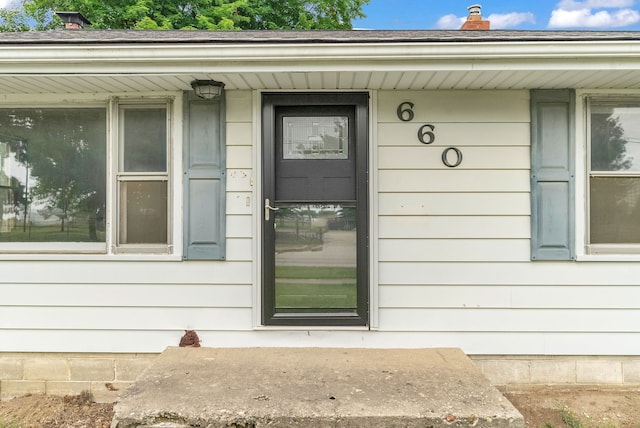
x=207, y=89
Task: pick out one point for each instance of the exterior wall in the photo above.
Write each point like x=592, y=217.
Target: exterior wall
x=450, y=236
x=454, y=257
x=453, y=265
x=560, y=370
x=104, y=375
x=107, y=375
x=97, y=304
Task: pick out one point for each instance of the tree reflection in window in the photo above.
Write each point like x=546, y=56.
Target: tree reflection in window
x=615, y=175
x=53, y=175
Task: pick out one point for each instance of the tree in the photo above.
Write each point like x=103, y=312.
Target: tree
x=303, y=14
x=13, y=20
x=608, y=144
x=190, y=14
x=63, y=153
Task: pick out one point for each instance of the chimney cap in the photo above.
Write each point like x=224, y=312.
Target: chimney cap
x=73, y=20
x=475, y=9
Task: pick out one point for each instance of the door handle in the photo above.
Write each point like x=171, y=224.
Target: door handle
x=268, y=208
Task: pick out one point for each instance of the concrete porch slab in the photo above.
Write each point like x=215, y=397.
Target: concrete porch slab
x=313, y=387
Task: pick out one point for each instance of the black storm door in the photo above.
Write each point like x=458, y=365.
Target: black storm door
x=315, y=219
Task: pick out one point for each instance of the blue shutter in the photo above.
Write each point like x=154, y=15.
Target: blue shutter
x=552, y=174
x=204, y=178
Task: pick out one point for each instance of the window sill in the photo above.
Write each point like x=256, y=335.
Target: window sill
x=90, y=257
x=611, y=253
x=311, y=328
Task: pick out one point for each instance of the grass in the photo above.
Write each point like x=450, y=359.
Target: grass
x=316, y=295
x=49, y=234
x=315, y=272
x=573, y=421
x=322, y=287
x=570, y=419
x=12, y=424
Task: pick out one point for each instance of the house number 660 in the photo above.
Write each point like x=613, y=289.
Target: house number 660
x=426, y=134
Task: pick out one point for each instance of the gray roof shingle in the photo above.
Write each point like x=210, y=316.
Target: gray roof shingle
x=346, y=36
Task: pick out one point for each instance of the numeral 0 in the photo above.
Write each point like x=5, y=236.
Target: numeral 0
x=405, y=111
x=445, y=157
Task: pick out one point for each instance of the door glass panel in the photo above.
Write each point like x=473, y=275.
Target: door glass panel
x=315, y=258
x=315, y=137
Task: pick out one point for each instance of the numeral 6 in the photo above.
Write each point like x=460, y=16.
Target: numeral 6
x=405, y=111
x=426, y=135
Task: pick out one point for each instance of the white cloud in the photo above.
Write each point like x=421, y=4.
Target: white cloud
x=594, y=4
x=450, y=22
x=573, y=14
x=510, y=20
x=498, y=20
x=6, y=3
x=587, y=18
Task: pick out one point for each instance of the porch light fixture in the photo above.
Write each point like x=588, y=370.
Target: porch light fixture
x=207, y=89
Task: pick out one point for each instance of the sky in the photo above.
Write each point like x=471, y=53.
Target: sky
x=596, y=15
x=600, y=15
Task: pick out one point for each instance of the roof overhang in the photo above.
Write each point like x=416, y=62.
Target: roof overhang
x=169, y=65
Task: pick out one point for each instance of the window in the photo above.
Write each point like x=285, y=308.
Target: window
x=57, y=193
x=318, y=137
x=142, y=177
x=614, y=176
x=52, y=175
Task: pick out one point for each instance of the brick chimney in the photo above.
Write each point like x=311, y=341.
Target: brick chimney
x=474, y=20
x=73, y=20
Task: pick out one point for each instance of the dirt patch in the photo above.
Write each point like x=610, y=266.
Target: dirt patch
x=44, y=411
x=577, y=407
x=550, y=407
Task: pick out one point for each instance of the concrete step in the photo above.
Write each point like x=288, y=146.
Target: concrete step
x=313, y=387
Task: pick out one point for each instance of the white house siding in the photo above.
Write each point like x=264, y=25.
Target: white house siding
x=139, y=306
x=454, y=257
x=453, y=265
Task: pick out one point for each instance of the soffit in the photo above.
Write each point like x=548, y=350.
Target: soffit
x=124, y=62
x=326, y=80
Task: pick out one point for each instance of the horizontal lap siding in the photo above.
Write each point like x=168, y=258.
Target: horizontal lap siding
x=477, y=211
x=508, y=320
x=578, y=275
x=453, y=243
x=454, y=227
x=133, y=295
x=416, y=250
x=537, y=297
x=147, y=318
x=474, y=158
x=502, y=343
x=465, y=204
x=459, y=180
x=167, y=273
x=453, y=264
x=477, y=134
x=136, y=306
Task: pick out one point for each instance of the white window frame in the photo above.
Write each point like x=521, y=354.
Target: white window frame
x=109, y=250
x=120, y=176
x=597, y=252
